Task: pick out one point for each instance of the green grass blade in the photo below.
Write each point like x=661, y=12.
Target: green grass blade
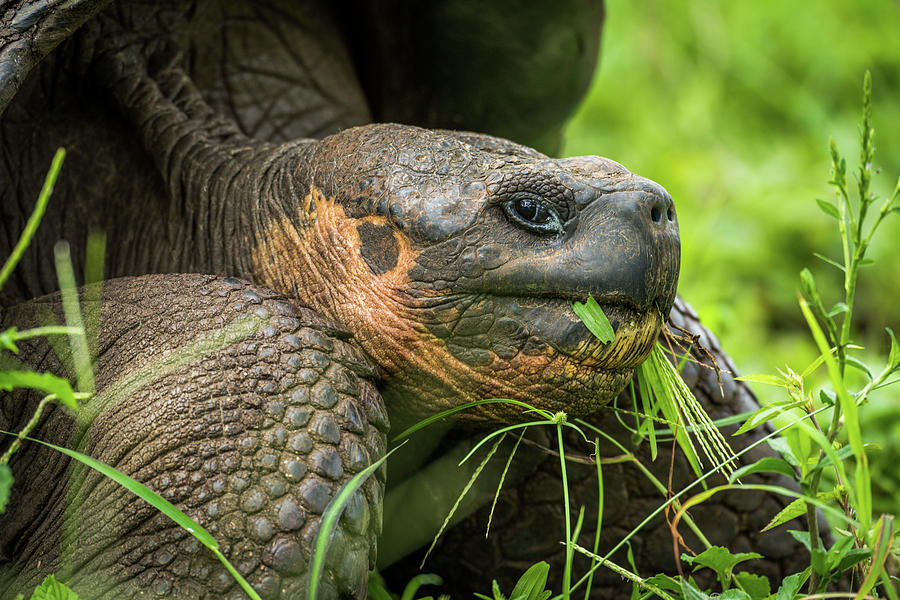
x=851, y=418
x=35, y=219
x=512, y=453
x=164, y=506
x=880, y=548
x=587, y=593
x=329, y=522
x=570, y=541
x=451, y=411
x=459, y=498
x=81, y=356
x=409, y=592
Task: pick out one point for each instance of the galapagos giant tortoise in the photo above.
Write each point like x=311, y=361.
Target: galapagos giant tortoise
x=285, y=279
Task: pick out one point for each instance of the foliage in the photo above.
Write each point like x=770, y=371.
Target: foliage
x=729, y=104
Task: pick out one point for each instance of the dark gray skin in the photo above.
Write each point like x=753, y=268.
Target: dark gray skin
x=433, y=264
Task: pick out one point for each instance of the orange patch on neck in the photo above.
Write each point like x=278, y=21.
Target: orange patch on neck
x=316, y=256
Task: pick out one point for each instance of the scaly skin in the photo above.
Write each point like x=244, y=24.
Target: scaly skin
x=426, y=244
x=228, y=400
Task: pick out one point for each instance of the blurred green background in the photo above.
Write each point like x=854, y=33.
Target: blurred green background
x=730, y=106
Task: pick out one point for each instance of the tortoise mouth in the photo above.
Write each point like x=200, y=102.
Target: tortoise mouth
x=475, y=327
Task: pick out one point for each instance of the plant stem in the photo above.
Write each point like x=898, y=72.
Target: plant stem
x=624, y=573
x=32, y=423
x=570, y=543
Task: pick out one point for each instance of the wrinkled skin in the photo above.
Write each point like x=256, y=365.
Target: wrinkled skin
x=434, y=266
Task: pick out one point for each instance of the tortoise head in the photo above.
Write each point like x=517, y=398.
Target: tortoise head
x=454, y=258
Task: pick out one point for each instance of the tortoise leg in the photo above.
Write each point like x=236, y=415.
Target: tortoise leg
x=245, y=410
x=529, y=525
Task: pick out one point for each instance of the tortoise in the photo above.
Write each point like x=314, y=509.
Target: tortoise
x=291, y=273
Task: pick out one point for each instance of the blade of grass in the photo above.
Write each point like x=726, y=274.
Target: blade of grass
x=462, y=495
x=512, y=453
x=35, y=219
x=567, y=571
x=450, y=411
x=81, y=356
x=587, y=593
x=330, y=519
x=158, y=502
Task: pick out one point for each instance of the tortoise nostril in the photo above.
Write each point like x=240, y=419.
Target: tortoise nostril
x=670, y=214
x=656, y=214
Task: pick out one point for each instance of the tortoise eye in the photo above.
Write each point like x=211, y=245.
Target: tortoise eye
x=533, y=213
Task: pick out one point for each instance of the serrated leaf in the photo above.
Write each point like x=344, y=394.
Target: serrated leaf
x=795, y=509
x=791, y=584
x=720, y=560
x=594, y=319
x=51, y=589
x=828, y=208
x=769, y=464
x=532, y=584
x=46, y=382
x=757, y=586
x=6, y=481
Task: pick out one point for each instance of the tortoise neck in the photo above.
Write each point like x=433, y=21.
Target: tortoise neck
x=222, y=185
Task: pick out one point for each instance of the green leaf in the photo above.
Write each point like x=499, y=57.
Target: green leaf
x=532, y=584
x=838, y=308
x=665, y=582
x=757, y=586
x=766, y=413
x=46, y=382
x=692, y=593
x=780, y=445
x=828, y=208
x=881, y=548
x=7, y=340
x=769, y=464
x=734, y=594
x=800, y=536
x=791, y=584
x=51, y=589
x=409, y=592
x=794, y=510
x=34, y=220
x=6, y=481
x=831, y=262
x=894, y=356
x=859, y=366
x=720, y=560
x=852, y=557
x=765, y=379
x=593, y=318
